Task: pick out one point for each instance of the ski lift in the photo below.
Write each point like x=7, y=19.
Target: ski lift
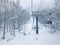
x=49, y=22
x=50, y=13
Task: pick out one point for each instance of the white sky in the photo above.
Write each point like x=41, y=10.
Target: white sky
x=27, y=3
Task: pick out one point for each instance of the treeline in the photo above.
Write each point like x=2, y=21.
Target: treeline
x=12, y=16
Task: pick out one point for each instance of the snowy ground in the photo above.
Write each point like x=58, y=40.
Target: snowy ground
x=31, y=38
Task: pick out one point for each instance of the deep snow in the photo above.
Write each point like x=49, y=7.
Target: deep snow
x=31, y=38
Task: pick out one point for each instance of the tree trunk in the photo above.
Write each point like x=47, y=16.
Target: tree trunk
x=4, y=27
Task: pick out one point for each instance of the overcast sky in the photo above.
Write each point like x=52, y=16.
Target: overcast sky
x=46, y=3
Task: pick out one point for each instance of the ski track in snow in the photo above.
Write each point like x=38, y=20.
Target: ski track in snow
x=31, y=38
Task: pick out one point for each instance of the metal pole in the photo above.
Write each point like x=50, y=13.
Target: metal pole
x=37, y=24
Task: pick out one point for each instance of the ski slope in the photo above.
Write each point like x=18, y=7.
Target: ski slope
x=31, y=38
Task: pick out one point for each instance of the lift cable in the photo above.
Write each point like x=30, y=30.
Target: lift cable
x=40, y=4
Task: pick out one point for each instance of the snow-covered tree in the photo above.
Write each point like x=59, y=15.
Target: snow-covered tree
x=12, y=14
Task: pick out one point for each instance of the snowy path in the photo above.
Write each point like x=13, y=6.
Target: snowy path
x=44, y=38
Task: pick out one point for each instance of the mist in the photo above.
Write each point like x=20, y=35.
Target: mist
x=45, y=3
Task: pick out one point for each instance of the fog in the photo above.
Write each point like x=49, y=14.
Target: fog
x=45, y=3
